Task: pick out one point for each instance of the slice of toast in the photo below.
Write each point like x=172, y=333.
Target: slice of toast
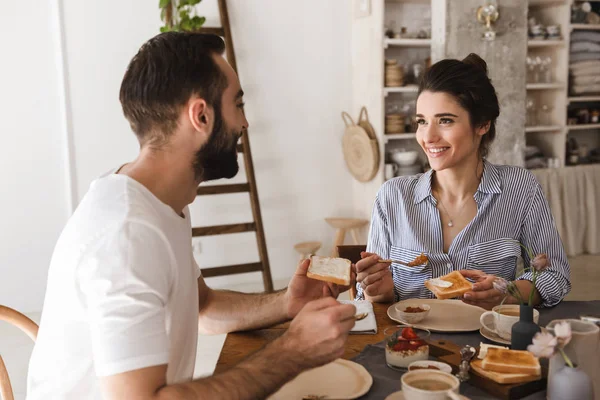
x=459, y=286
x=511, y=361
x=330, y=269
x=501, y=377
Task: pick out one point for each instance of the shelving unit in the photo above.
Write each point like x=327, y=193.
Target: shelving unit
x=550, y=136
x=400, y=89
x=582, y=127
x=585, y=27
x=398, y=136
x=406, y=42
x=583, y=99
x=547, y=128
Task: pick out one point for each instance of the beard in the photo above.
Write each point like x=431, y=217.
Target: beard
x=218, y=157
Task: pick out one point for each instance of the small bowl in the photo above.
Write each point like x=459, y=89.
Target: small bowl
x=425, y=364
x=404, y=158
x=412, y=317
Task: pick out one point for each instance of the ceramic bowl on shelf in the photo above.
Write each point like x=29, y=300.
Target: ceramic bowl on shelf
x=404, y=158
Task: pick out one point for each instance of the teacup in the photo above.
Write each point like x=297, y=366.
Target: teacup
x=503, y=318
x=429, y=385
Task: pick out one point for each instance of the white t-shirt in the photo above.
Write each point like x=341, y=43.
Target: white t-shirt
x=122, y=294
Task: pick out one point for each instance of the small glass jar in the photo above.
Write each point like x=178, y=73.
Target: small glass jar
x=405, y=344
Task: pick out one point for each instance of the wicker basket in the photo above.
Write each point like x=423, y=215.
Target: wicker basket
x=360, y=147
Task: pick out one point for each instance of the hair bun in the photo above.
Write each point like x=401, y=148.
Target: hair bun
x=476, y=61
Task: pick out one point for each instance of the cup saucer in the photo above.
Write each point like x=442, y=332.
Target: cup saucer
x=400, y=396
x=492, y=336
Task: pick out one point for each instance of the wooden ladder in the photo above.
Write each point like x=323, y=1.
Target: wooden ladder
x=249, y=187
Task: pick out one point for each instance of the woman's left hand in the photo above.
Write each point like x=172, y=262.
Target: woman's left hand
x=483, y=294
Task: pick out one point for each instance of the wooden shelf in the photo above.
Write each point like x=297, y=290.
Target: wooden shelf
x=541, y=86
x=583, y=127
x=401, y=89
x=406, y=42
x=542, y=128
x=393, y=136
x=585, y=27
x=545, y=43
x=581, y=99
x=546, y=3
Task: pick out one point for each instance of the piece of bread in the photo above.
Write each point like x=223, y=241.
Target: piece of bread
x=511, y=361
x=501, y=377
x=330, y=269
x=459, y=286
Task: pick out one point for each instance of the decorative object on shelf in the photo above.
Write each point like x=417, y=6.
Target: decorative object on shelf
x=180, y=15
x=523, y=331
x=394, y=74
x=530, y=116
x=390, y=171
x=360, y=147
x=545, y=117
x=572, y=151
x=395, y=123
x=403, y=157
x=488, y=14
x=568, y=379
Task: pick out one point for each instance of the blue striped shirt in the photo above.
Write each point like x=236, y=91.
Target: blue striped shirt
x=511, y=208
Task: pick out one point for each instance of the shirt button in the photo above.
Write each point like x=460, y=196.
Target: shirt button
x=449, y=266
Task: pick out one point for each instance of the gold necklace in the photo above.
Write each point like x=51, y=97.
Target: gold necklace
x=450, y=223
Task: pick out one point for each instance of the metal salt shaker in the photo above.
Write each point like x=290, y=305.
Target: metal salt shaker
x=466, y=354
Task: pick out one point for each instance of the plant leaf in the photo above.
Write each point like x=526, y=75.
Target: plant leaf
x=193, y=2
x=163, y=3
x=198, y=21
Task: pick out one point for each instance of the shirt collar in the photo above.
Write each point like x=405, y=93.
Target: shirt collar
x=490, y=183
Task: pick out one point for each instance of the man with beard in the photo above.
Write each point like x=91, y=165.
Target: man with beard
x=125, y=298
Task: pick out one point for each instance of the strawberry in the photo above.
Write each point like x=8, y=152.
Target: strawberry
x=409, y=334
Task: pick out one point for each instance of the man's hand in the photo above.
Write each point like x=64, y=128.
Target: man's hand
x=303, y=289
x=483, y=294
x=319, y=332
x=375, y=277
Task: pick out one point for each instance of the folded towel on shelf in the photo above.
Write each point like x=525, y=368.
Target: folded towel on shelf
x=584, y=56
x=585, y=46
x=591, y=71
x=584, y=65
x=535, y=163
x=581, y=89
x=533, y=152
x=590, y=36
x=586, y=79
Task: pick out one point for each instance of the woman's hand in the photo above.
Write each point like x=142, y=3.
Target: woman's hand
x=483, y=294
x=375, y=278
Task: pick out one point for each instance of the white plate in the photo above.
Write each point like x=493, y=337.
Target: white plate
x=400, y=396
x=341, y=379
x=445, y=315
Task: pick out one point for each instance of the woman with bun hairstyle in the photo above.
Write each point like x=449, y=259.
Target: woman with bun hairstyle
x=466, y=214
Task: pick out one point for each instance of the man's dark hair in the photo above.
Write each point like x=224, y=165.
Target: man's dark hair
x=167, y=70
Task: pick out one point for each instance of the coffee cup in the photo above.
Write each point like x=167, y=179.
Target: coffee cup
x=501, y=319
x=429, y=385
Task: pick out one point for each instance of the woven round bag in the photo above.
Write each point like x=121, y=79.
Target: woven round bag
x=360, y=147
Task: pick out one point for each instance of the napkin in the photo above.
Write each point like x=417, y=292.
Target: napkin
x=367, y=325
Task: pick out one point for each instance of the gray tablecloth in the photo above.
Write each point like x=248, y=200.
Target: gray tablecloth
x=387, y=381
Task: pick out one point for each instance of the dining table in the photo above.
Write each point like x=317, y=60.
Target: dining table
x=368, y=349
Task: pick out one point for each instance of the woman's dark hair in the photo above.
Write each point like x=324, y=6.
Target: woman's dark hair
x=167, y=70
x=467, y=81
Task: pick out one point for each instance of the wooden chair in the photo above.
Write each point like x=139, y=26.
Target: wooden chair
x=26, y=325
x=342, y=225
x=352, y=253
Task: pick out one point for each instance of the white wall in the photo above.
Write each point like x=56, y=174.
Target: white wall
x=297, y=80
x=34, y=199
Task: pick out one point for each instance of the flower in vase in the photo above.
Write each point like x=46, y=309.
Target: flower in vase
x=540, y=262
x=562, y=330
x=543, y=345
